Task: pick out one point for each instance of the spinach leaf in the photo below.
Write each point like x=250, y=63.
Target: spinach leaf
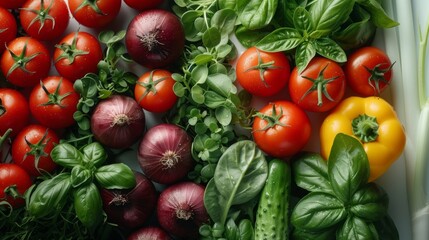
x=241, y=172
x=231, y=4
x=256, y=14
x=216, y=205
x=318, y=211
x=88, y=205
x=348, y=166
x=370, y=203
x=356, y=228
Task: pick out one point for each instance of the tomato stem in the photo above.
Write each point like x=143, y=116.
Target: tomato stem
x=262, y=67
x=5, y=136
x=273, y=119
x=21, y=60
x=320, y=85
x=365, y=128
x=42, y=15
x=70, y=51
x=377, y=75
x=55, y=98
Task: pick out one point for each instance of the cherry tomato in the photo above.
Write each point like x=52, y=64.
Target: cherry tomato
x=53, y=102
x=12, y=4
x=281, y=129
x=368, y=71
x=320, y=87
x=44, y=22
x=14, y=181
x=76, y=55
x=262, y=73
x=94, y=13
x=25, y=62
x=14, y=111
x=31, y=149
x=143, y=5
x=154, y=91
x=8, y=28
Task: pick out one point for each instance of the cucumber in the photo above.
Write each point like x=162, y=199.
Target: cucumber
x=272, y=216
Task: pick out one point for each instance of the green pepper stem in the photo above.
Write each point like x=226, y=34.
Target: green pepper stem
x=365, y=128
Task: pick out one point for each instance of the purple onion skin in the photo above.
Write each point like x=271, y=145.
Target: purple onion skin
x=155, y=38
x=118, y=122
x=181, y=211
x=131, y=209
x=164, y=153
x=149, y=233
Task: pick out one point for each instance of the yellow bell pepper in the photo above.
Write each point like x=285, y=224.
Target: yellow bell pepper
x=374, y=123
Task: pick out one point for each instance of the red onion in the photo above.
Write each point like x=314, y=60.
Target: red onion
x=181, y=210
x=118, y=121
x=149, y=233
x=130, y=209
x=164, y=153
x=155, y=38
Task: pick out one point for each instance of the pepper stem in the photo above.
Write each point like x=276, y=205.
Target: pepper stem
x=365, y=128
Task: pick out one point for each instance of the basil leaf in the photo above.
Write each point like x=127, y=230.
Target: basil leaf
x=49, y=196
x=302, y=20
x=216, y=205
x=378, y=16
x=281, y=39
x=246, y=231
x=88, y=205
x=348, y=166
x=328, y=15
x=304, y=53
x=249, y=38
x=356, y=228
x=328, y=48
x=66, y=155
x=231, y=230
x=317, y=211
x=370, y=203
x=79, y=175
x=115, y=176
x=255, y=14
x=326, y=234
x=241, y=172
x=311, y=172
x=94, y=154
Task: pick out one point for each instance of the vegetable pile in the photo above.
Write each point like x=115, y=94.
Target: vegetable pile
x=195, y=122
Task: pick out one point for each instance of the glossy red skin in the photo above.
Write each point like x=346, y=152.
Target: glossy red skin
x=142, y=5
x=38, y=67
x=164, y=98
x=90, y=18
x=50, y=31
x=275, y=79
x=8, y=28
x=17, y=111
x=14, y=175
x=356, y=74
x=54, y=115
x=282, y=141
x=12, y=4
x=298, y=85
x=82, y=64
x=33, y=134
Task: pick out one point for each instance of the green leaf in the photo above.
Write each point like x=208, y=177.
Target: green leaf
x=203, y=59
x=211, y=37
x=94, y=154
x=355, y=228
x=255, y=14
x=370, y=203
x=79, y=176
x=386, y=228
x=318, y=211
x=215, y=203
x=224, y=20
x=303, y=55
x=231, y=230
x=221, y=84
x=213, y=100
x=302, y=20
x=105, y=36
x=326, y=234
x=348, y=167
x=223, y=51
x=328, y=15
x=199, y=74
x=249, y=38
x=88, y=205
x=231, y=4
x=197, y=94
x=311, y=172
x=223, y=115
x=330, y=49
x=179, y=89
x=115, y=176
x=246, y=230
x=378, y=16
x=188, y=19
x=241, y=172
x=66, y=155
x=281, y=39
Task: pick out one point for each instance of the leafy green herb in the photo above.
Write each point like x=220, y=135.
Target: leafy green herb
x=256, y=14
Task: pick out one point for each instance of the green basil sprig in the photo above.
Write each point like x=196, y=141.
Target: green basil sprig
x=341, y=203
x=86, y=172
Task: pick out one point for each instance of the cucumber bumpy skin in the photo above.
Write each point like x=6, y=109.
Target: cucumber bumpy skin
x=272, y=217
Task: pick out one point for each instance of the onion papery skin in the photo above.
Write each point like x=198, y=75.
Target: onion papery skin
x=164, y=153
x=149, y=233
x=132, y=208
x=118, y=122
x=155, y=38
x=181, y=211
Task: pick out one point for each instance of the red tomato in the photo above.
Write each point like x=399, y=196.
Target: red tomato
x=12, y=4
x=262, y=73
x=368, y=71
x=53, y=102
x=77, y=54
x=14, y=111
x=320, y=87
x=142, y=5
x=8, y=28
x=281, y=129
x=14, y=181
x=95, y=13
x=26, y=62
x=32, y=147
x=44, y=22
x=154, y=91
